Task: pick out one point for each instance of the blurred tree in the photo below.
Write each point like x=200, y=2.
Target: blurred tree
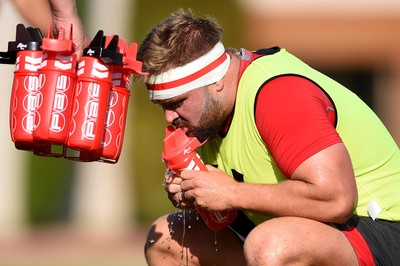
x=49, y=190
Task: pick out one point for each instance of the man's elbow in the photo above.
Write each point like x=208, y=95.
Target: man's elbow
x=344, y=208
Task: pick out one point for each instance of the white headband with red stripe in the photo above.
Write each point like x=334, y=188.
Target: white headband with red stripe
x=205, y=70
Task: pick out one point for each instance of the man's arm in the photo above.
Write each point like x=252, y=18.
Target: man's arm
x=37, y=13
x=322, y=188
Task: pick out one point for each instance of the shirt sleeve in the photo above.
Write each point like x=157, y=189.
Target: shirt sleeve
x=296, y=119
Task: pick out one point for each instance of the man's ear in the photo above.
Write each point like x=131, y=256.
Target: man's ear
x=219, y=85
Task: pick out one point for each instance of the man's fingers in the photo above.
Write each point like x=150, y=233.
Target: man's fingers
x=179, y=201
x=173, y=188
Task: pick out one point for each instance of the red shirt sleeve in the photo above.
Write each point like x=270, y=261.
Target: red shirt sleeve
x=296, y=119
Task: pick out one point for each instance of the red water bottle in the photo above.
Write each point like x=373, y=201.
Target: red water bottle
x=92, y=96
x=57, y=84
x=180, y=154
x=25, y=53
x=114, y=130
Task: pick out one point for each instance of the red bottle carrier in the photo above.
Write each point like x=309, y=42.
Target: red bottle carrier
x=25, y=53
x=57, y=84
x=180, y=154
x=56, y=108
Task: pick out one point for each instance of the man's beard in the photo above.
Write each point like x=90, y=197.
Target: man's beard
x=204, y=133
x=211, y=120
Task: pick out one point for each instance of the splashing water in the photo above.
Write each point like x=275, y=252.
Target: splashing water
x=183, y=238
x=181, y=215
x=216, y=241
x=166, y=239
x=185, y=218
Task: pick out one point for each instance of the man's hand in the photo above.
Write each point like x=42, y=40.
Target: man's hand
x=212, y=190
x=175, y=193
x=64, y=13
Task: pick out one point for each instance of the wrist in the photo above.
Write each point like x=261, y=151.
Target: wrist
x=234, y=198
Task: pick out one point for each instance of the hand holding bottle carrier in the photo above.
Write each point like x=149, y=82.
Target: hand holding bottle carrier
x=180, y=154
x=57, y=107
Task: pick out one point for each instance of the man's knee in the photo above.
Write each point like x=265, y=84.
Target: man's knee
x=270, y=244
x=287, y=240
x=262, y=247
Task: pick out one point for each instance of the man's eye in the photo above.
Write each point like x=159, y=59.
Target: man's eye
x=177, y=105
x=173, y=106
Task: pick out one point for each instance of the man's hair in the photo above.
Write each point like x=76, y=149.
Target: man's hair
x=178, y=40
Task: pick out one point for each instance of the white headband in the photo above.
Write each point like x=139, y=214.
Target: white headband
x=205, y=70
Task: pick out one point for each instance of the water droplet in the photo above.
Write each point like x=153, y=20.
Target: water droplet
x=183, y=236
x=216, y=241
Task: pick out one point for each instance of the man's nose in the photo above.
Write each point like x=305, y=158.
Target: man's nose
x=170, y=116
